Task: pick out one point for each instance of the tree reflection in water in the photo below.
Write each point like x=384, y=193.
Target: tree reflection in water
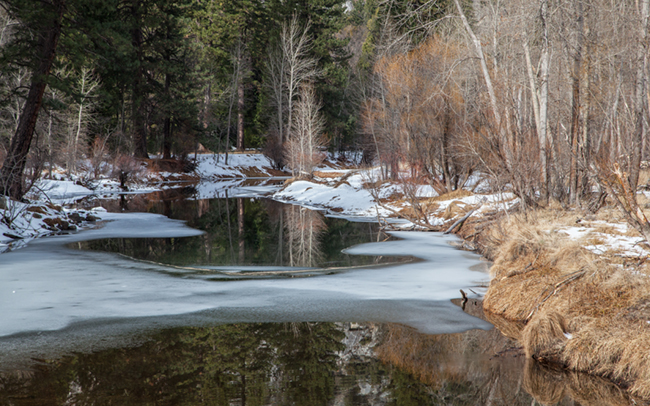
x=303, y=232
x=306, y=364
x=242, y=231
x=245, y=364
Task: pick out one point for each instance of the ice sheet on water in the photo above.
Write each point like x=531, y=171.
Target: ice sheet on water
x=49, y=289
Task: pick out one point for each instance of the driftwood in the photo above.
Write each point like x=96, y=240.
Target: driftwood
x=460, y=221
x=464, y=301
x=413, y=220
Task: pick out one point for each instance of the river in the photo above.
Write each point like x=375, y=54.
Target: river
x=238, y=299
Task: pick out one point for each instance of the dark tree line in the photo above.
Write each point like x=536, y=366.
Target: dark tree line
x=168, y=75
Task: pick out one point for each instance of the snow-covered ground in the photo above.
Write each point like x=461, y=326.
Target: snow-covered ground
x=22, y=223
x=600, y=237
x=213, y=166
x=344, y=198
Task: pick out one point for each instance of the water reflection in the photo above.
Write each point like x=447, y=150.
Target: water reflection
x=304, y=230
x=245, y=364
x=552, y=386
x=241, y=231
x=307, y=364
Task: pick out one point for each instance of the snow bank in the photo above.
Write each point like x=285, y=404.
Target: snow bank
x=607, y=242
x=22, y=223
x=60, y=189
x=346, y=198
x=213, y=166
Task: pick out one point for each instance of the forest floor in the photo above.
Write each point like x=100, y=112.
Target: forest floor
x=570, y=286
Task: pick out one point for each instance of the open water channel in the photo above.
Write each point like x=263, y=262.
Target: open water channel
x=240, y=300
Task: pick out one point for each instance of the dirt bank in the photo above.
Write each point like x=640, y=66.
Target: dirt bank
x=565, y=304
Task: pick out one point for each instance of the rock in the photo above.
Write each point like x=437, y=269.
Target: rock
x=55, y=223
x=75, y=217
x=36, y=209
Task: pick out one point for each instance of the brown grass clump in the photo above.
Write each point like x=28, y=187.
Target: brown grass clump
x=455, y=209
x=607, y=229
x=329, y=174
x=530, y=246
x=544, y=337
x=454, y=195
x=36, y=209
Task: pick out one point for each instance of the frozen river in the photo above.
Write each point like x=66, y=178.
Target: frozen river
x=245, y=300
x=53, y=294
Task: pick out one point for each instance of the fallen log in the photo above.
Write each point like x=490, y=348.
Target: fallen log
x=460, y=221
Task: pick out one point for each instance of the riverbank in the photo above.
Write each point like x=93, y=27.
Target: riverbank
x=574, y=295
x=571, y=287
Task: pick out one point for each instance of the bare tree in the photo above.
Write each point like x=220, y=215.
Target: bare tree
x=295, y=43
x=81, y=112
x=539, y=95
x=306, y=141
x=275, y=83
x=484, y=68
x=640, y=93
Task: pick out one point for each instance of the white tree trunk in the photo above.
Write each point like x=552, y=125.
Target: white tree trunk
x=543, y=100
x=486, y=74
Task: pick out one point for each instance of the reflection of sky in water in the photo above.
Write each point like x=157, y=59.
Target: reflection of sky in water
x=46, y=287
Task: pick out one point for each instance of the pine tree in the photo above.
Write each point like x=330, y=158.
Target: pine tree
x=34, y=46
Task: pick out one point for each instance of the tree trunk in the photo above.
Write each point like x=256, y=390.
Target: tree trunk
x=240, y=94
x=486, y=74
x=11, y=176
x=585, y=154
x=167, y=125
x=543, y=104
x=575, y=105
x=207, y=98
x=240, y=114
x=139, y=92
x=167, y=135
x=639, y=102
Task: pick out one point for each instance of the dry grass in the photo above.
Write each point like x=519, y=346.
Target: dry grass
x=456, y=194
x=455, y=209
x=544, y=337
x=607, y=229
x=408, y=211
x=580, y=311
x=329, y=174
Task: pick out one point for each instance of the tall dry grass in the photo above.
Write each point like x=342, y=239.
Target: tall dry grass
x=570, y=307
